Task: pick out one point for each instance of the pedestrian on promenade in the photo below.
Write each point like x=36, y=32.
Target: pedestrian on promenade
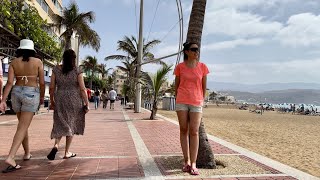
x=26, y=96
x=89, y=94
x=96, y=98
x=112, y=97
x=104, y=98
x=190, y=85
x=68, y=97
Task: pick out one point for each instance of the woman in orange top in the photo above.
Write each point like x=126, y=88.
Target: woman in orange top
x=190, y=83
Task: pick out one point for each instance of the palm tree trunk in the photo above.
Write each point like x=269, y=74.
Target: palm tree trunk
x=205, y=155
x=196, y=21
x=68, y=43
x=154, y=110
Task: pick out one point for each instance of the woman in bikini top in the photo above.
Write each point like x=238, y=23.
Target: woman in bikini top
x=26, y=96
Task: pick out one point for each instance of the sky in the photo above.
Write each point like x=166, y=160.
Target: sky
x=243, y=41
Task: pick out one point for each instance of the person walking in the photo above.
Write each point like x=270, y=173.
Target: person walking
x=112, y=97
x=104, y=98
x=68, y=97
x=96, y=98
x=89, y=94
x=190, y=85
x=26, y=96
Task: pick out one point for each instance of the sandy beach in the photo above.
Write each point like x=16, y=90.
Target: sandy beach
x=293, y=140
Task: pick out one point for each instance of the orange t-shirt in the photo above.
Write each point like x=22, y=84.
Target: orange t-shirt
x=190, y=87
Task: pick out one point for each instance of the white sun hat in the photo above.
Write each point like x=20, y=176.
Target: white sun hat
x=26, y=44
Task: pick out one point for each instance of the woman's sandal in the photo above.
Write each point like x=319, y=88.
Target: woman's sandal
x=11, y=168
x=27, y=159
x=186, y=168
x=72, y=155
x=194, y=171
x=52, y=155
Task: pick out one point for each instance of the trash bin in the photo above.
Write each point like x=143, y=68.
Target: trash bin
x=46, y=103
x=169, y=103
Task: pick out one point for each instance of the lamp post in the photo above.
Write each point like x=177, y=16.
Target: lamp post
x=137, y=108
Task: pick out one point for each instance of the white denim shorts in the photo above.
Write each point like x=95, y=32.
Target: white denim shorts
x=188, y=107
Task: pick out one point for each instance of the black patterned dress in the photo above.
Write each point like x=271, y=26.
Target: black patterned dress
x=68, y=116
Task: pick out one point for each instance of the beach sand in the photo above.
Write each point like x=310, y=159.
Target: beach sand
x=293, y=140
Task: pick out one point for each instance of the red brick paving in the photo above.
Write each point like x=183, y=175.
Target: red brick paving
x=265, y=167
x=107, y=140
x=162, y=138
x=105, y=151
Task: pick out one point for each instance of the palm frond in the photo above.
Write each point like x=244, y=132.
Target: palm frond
x=150, y=45
x=116, y=57
x=145, y=77
x=72, y=20
x=160, y=78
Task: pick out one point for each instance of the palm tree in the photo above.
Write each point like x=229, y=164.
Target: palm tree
x=130, y=47
x=154, y=83
x=205, y=154
x=129, y=68
x=110, y=81
x=102, y=69
x=74, y=21
x=90, y=65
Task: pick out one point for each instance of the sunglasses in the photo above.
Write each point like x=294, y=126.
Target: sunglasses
x=194, y=49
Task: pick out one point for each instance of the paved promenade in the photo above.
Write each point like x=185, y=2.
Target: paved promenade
x=121, y=144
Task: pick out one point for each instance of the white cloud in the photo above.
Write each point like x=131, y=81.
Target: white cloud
x=231, y=22
x=232, y=44
x=165, y=49
x=219, y=4
x=301, y=30
x=238, y=4
x=265, y=72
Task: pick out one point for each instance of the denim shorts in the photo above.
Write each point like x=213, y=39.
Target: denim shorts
x=25, y=99
x=188, y=107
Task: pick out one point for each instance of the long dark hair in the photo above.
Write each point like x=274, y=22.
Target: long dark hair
x=186, y=46
x=69, y=61
x=25, y=54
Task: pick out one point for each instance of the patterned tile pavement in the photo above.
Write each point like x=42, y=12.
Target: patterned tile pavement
x=107, y=149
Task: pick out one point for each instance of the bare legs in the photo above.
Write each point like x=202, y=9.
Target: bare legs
x=189, y=127
x=67, y=153
x=184, y=135
x=21, y=136
x=25, y=142
x=56, y=142
x=195, y=119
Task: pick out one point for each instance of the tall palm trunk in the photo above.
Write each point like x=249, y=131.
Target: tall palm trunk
x=68, y=43
x=154, y=109
x=205, y=155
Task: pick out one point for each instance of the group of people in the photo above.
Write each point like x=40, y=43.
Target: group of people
x=104, y=96
x=69, y=99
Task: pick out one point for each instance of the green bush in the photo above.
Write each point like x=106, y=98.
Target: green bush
x=27, y=23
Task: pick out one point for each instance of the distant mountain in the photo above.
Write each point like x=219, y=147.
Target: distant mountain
x=255, y=88
x=297, y=96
